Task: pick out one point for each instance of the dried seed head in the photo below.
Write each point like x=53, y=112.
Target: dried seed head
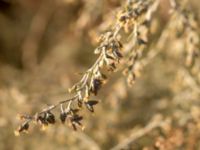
x=89, y=105
x=50, y=118
x=23, y=128
x=75, y=120
x=41, y=120
x=122, y=18
x=96, y=85
x=63, y=116
x=117, y=54
x=130, y=19
x=74, y=111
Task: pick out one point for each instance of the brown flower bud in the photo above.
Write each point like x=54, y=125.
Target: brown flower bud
x=89, y=105
x=63, y=116
x=50, y=118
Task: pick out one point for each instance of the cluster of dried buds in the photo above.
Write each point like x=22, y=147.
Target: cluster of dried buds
x=47, y=117
x=109, y=52
x=137, y=19
x=109, y=56
x=187, y=28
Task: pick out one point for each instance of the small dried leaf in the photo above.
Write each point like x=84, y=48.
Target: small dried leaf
x=92, y=102
x=74, y=111
x=74, y=126
x=50, y=118
x=96, y=85
x=76, y=118
x=23, y=128
x=117, y=54
x=42, y=120
x=122, y=18
x=63, y=116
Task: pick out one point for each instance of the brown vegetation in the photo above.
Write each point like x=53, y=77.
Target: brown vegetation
x=143, y=87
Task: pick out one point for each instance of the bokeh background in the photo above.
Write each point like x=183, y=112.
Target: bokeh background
x=45, y=44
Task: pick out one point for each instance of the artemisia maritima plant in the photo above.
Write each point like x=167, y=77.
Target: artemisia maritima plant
x=123, y=48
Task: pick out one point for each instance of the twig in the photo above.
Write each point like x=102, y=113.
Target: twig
x=157, y=123
x=109, y=52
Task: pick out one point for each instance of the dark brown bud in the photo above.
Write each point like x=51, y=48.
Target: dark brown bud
x=63, y=116
x=89, y=105
x=24, y=127
x=122, y=18
x=42, y=120
x=74, y=111
x=117, y=54
x=76, y=118
x=74, y=126
x=96, y=86
x=50, y=118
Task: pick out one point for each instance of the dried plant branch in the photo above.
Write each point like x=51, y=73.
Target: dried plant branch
x=187, y=28
x=140, y=33
x=192, y=82
x=156, y=39
x=157, y=122
x=135, y=20
x=110, y=54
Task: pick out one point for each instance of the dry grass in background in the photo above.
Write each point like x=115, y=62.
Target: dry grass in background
x=46, y=47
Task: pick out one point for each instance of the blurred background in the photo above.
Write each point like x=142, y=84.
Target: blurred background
x=44, y=44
